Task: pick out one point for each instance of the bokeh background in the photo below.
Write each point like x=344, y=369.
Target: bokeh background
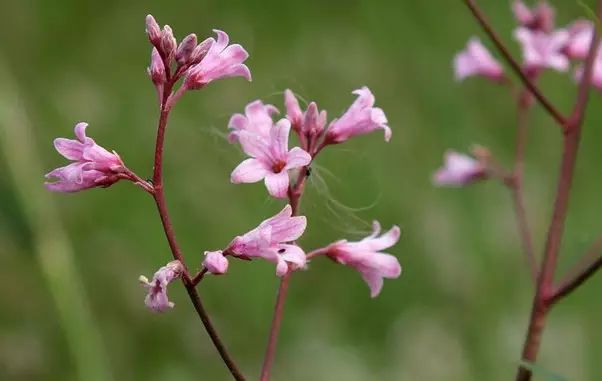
x=71, y=307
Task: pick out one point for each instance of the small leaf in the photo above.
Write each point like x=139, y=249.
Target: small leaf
x=537, y=370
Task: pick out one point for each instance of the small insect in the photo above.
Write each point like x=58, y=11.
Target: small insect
x=281, y=251
x=308, y=171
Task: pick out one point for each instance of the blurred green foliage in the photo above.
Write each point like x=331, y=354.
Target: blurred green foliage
x=459, y=310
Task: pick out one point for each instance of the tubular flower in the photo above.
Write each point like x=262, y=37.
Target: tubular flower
x=476, y=60
x=365, y=257
x=221, y=61
x=269, y=241
x=93, y=165
x=257, y=120
x=580, y=39
x=459, y=170
x=543, y=51
x=361, y=118
x=156, y=299
x=270, y=159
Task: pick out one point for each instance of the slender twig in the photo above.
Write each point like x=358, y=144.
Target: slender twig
x=294, y=195
x=159, y=197
x=317, y=252
x=550, y=108
x=516, y=186
x=587, y=267
x=571, y=138
x=199, y=276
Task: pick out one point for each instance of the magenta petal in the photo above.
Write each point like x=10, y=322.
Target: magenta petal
x=69, y=148
x=277, y=184
x=249, y=171
x=215, y=262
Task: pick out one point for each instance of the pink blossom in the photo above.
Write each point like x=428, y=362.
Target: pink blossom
x=215, y=262
x=361, y=118
x=270, y=159
x=156, y=70
x=476, y=60
x=221, y=61
x=157, y=299
x=541, y=17
x=293, y=110
x=257, y=120
x=366, y=258
x=596, y=73
x=93, y=165
x=580, y=39
x=269, y=241
x=459, y=170
x=310, y=123
x=542, y=50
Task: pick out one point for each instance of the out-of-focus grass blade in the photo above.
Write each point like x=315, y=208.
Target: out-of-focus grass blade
x=544, y=373
x=53, y=249
x=591, y=14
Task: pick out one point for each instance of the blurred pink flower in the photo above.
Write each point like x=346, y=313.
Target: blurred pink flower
x=221, y=61
x=542, y=50
x=580, y=39
x=157, y=299
x=476, y=60
x=459, y=170
x=361, y=118
x=540, y=17
x=366, y=258
x=269, y=241
x=215, y=262
x=257, y=120
x=596, y=73
x=93, y=165
x=270, y=159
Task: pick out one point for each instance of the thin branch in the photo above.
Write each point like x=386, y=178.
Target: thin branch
x=550, y=108
x=587, y=267
x=516, y=187
x=541, y=301
x=159, y=197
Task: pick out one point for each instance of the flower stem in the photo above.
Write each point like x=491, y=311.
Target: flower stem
x=543, y=298
x=159, y=197
x=294, y=195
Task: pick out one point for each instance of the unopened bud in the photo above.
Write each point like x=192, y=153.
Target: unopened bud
x=156, y=70
x=201, y=50
x=168, y=43
x=314, y=120
x=153, y=31
x=185, y=49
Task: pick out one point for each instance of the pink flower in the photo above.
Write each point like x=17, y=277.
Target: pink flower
x=310, y=123
x=542, y=50
x=93, y=165
x=580, y=39
x=270, y=159
x=293, y=111
x=541, y=17
x=221, y=61
x=361, y=118
x=459, y=170
x=366, y=258
x=269, y=241
x=215, y=262
x=476, y=60
x=157, y=299
x=257, y=120
x=596, y=74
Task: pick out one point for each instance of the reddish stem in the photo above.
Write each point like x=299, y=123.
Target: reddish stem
x=294, y=195
x=159, y=197
x=542, y=300
x=550, y=108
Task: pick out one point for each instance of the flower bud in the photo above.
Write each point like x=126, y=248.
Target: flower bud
x=153, y=30
x=168, y=43
x=156, y=70
x=185, y=49
x=314, y=120
x=215, y=262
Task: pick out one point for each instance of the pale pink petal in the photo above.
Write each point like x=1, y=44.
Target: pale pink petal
x=70, y=149
x=255, y=145
x=80, y=132
x=374, y=281
x=297, y=158
x=385, y=241
x=249, y=171
x=277, y=184
x=293, y=111
x=279, y=138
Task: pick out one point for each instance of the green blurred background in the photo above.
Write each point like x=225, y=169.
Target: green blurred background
x=71, y=307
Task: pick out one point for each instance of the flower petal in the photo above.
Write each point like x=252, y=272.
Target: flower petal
x=297, y=158
x=277, y=184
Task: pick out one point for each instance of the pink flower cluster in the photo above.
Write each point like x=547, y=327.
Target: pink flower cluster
x=543, y=46
x=265, y=141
